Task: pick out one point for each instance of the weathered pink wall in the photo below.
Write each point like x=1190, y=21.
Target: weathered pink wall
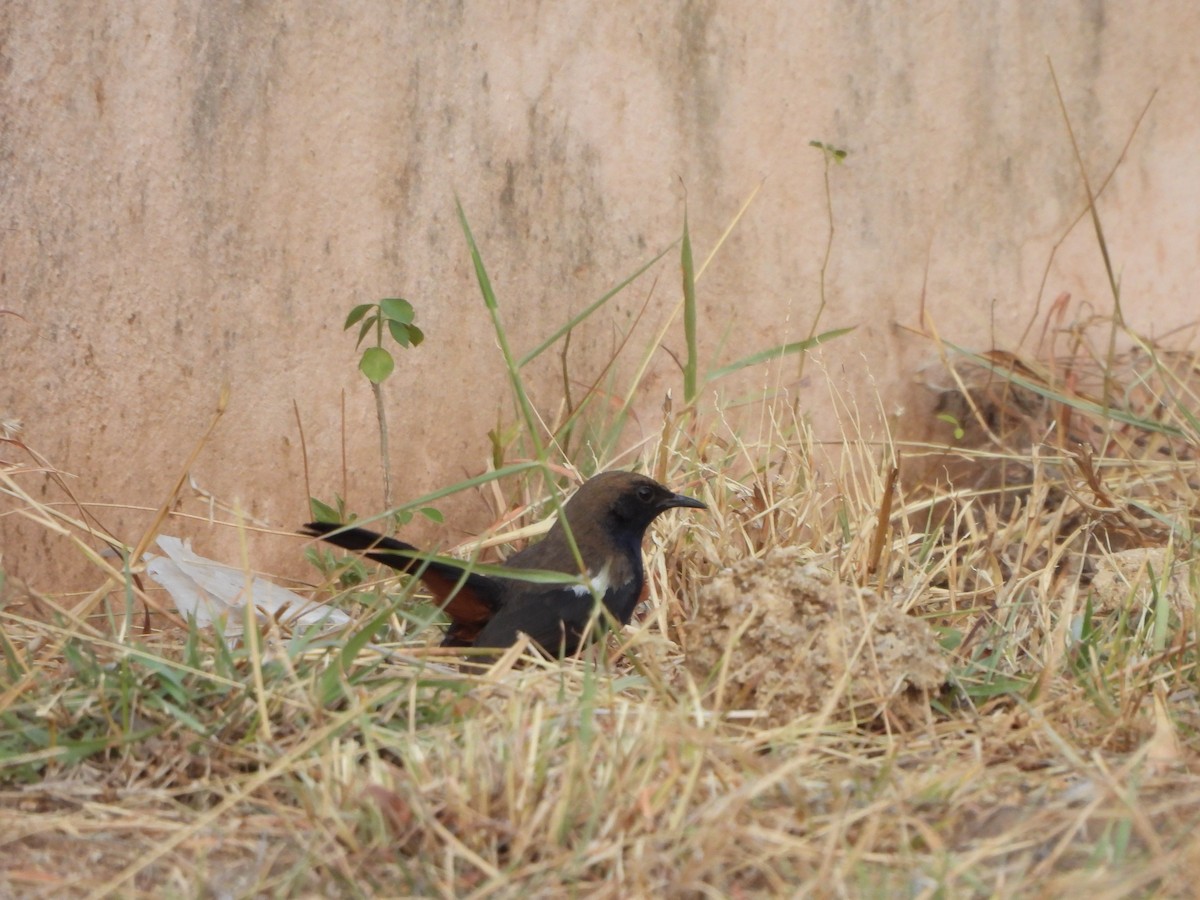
x=196, y=193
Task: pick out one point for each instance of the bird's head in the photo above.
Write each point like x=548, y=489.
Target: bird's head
x=623, y=499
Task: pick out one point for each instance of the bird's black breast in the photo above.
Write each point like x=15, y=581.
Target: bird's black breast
x=557, y=617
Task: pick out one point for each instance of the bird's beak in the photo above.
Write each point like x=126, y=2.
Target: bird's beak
x=680, y=500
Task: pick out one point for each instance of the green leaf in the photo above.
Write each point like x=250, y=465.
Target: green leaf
x=950, y=638
x=362, y=637
x=996, y=686
x=405, y=335
x=959, y=431
x=322, y=512
x=357, y=313
x=377, y=364
x=433, y=515
x=179, y=712
x=397, y=309
x=468, y=484
x=332, y=683
x=837, y=154
x=78, y=750
x=365, y=330
x=399, y=333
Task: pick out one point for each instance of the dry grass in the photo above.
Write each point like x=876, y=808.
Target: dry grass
x=1054, y=583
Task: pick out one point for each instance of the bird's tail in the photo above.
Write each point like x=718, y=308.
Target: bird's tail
x=468, y=598
x=389, y=551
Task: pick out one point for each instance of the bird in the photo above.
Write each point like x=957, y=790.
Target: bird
x=607, y=517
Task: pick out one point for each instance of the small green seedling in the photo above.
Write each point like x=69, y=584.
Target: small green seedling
x=377, y=362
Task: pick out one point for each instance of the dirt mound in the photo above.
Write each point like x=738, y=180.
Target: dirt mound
x=794, y=639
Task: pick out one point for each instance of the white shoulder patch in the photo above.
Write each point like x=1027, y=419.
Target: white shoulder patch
x=599, y=583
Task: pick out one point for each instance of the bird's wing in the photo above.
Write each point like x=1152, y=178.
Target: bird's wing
x=554, y=617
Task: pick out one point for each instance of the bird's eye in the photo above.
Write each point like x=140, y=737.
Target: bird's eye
x=645, y=493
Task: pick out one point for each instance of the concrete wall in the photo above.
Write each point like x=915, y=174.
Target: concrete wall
x=196, y=192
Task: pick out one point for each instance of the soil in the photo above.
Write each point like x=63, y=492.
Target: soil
x=785, y=638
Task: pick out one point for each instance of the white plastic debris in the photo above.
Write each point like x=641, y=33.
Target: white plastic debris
x=211, y=592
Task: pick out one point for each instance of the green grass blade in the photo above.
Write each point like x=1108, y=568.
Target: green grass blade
x=1114, y=413
x=575, y=320
x=514, y=372
x=510, y=364
x=776, y=352
x=690, y=364
x=465, y=485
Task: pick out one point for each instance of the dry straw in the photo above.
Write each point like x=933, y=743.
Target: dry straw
x=1055, y=601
